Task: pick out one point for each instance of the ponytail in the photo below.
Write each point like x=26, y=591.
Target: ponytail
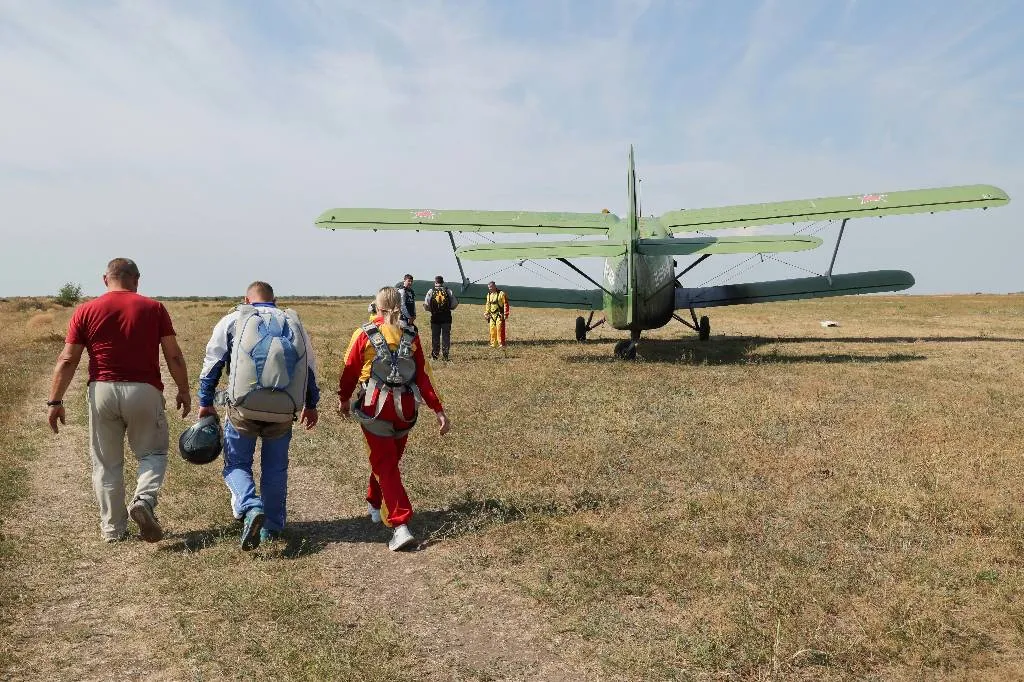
x=389, y=304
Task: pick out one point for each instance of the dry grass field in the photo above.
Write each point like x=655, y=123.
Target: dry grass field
x=783, y=502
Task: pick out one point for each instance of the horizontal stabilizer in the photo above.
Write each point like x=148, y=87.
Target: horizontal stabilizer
x=835, y=208
x=538, y=250
x=429, y=220
x=794, y=289
x=526, y=297
x=719, y=245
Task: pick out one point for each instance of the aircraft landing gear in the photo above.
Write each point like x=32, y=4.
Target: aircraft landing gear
x=626, y=349
x=584, y=326
x=701, y=326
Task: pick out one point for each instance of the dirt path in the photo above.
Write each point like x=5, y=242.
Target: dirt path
x=459, y=623
x=88, y=611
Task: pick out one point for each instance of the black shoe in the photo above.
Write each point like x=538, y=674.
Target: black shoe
x=142, y=513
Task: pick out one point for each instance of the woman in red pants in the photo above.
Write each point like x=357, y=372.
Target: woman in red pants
x=385, y=369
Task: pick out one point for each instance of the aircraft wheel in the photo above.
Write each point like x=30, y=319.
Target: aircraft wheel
x=704, y=328
x=625, y=350
x=581, y=329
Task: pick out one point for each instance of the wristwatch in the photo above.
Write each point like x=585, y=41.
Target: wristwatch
x=54, y=403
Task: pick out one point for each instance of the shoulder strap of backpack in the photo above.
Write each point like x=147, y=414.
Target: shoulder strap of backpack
x=245, y=311
x=405, y=344
x=376, y=339
x=293, y=319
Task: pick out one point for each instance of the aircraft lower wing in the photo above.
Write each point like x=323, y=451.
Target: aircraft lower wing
x=526, y=297
x=430, y=220
x=647, y=247
x=794, y=289
x=539, y=250
x=835, y=208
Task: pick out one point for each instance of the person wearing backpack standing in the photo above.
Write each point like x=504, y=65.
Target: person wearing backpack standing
x=440, y=302
x=386, y=370
x=271, y=382
x=496, y=312
x=123, y=333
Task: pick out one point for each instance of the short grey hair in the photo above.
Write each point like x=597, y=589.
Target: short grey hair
x=122, y=268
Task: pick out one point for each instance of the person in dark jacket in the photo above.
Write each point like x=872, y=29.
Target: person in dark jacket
x=408, y=310
x=440, y=302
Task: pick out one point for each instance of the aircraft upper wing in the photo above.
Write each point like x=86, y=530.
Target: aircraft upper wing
x=833, y=208
x=466, y=221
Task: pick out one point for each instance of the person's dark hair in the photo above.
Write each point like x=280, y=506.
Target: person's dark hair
x=491, y=282
x=406, y=276
x=120, y=269
x=439, y=280
x=262, y=291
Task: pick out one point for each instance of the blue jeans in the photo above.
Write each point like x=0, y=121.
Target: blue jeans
x=238, y=456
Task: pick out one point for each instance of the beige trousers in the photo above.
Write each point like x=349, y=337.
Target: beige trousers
x=117, y=409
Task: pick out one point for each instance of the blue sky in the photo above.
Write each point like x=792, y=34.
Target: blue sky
x=202, y=138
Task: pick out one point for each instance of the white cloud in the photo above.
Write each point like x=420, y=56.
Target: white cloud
x=199, y=142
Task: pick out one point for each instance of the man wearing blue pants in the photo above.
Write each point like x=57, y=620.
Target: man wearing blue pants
x=272, y=382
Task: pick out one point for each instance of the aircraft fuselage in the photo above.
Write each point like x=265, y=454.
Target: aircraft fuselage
x=653, y=290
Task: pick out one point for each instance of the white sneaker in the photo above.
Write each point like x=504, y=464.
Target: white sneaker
x=373, y=512
x=401, y=538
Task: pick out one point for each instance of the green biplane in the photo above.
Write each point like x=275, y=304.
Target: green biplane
x=641, y=288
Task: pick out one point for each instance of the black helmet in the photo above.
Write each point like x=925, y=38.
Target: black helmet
x=201, y=442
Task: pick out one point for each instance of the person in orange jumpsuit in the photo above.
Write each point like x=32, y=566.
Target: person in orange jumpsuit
x=385, y=424
x=496, y=311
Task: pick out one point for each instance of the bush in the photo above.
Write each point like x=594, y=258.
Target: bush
x=69, y=294
x=27, y=304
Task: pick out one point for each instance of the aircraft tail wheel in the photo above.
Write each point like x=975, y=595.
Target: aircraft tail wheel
x=625, y=350
x=581, y=329
x=704, y=328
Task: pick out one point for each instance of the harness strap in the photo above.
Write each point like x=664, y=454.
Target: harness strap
x=498, y=312
x=380, y=427
x=378, y=388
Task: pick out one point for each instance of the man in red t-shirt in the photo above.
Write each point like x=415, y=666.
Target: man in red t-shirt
x=123, y=333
